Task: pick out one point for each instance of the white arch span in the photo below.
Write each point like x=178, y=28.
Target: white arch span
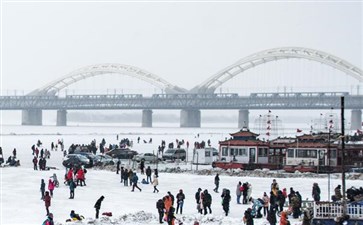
x=211, y=84
x=95, y=70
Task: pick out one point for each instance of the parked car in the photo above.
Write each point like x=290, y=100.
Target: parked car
x=89, y=156
x=146, y=157
x=103, y=160
x=175, y=153
x=122, y=153
x=76, y=160
x=356, y=170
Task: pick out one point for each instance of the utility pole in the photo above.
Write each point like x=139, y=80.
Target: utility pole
x=329, y=164
x=343, y=156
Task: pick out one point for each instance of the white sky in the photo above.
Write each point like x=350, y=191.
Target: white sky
x=183, y=42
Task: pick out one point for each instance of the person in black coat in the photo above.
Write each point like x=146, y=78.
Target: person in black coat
x=142, y=166
x=148, y=174
x=170, y=216
x=248, y=218
x=98, y=205
x=118, y=166
x=273, y=202
x=271, y=216
x=216, y=182
x=244, y=193
x=160, y=206
x=281, y=200
x=207, y=202
x=197, y=199
x=122, y=174
x=172, y=198
x=226, y=198
x=42, y=189
x=180, y=201
x=316, y=192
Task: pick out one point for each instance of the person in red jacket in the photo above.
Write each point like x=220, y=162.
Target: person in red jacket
x=49, y=220
x=69, y=176
x=283, y=219
x=35, y=163
x=80, y=177
x=47, y=200
x=51, y=186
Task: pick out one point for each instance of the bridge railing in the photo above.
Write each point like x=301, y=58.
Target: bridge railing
x=298, y=94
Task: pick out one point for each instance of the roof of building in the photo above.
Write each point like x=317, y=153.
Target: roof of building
x=244, y=133
x=233, y=142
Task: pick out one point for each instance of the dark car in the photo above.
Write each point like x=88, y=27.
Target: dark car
x=356, y=170
x=175, y=153
x=122, y=153
x=76, y=160
x=89, y=156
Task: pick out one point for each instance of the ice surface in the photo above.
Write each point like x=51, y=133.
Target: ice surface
x=20, y=196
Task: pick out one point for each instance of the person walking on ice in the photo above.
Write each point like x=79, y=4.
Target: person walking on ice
x=134, y=179
x=216, y=182
x=98, y=205
x=155, y=183
x=47, y=200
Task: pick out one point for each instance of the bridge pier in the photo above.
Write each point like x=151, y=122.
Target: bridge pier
x=243, y=118
x=61, y=117
x=356, y=119
x=147, y=118
x=32, y=117
x=190, y=118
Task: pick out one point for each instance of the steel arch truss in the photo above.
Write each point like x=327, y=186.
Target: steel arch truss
x=100, y=69
x=210, y=85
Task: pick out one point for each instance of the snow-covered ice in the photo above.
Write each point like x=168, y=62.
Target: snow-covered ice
x=20, y=195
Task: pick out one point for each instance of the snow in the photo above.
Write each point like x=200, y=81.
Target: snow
x=20, y=195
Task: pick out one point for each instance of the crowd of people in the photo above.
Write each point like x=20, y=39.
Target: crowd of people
x=270, y=204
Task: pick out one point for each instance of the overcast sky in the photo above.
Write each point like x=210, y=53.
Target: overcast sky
x=182, y=42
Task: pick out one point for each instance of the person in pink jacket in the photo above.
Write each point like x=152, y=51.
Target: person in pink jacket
x=51, y=187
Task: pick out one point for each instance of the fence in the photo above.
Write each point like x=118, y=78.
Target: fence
x=333, y=210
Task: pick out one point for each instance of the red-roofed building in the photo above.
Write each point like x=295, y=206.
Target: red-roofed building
x=242, y=149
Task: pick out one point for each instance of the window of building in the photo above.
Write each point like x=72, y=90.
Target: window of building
x=333, y=153
x=224, y=151
x=290, y=153
x=242, y=152
x=306, y=153
x=262, y=152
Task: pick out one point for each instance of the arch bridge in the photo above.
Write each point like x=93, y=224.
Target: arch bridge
x=190, y=114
